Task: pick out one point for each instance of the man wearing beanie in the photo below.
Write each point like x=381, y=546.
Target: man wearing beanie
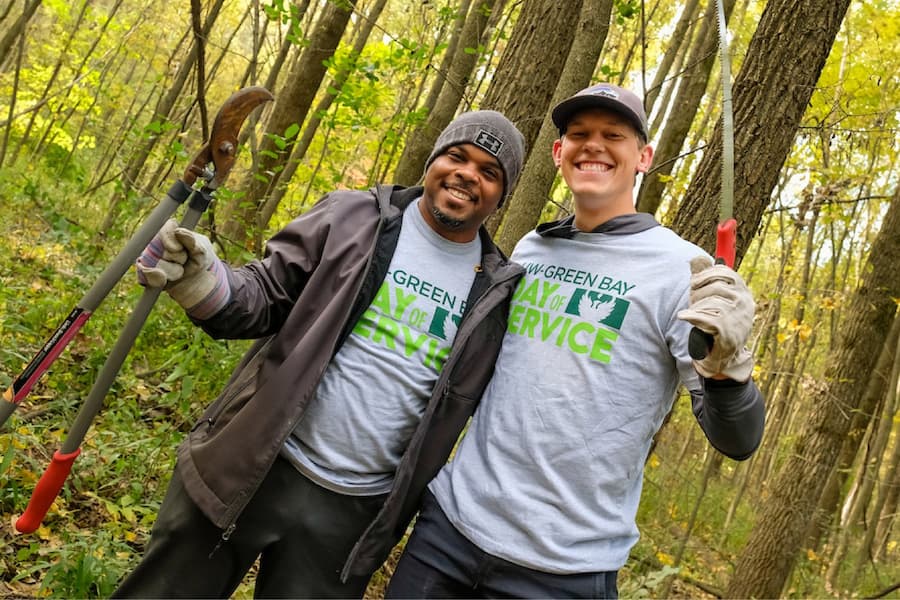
x=378, y=317
x=541, y=496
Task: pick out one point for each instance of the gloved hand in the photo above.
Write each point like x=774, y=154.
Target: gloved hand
x=163, y=259
x=721, y=305
x=198, y=282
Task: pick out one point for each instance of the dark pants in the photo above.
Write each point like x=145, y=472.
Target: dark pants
x=301, y=532
x=438, y=562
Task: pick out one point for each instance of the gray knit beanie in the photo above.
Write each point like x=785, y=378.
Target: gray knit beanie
x=493, y=133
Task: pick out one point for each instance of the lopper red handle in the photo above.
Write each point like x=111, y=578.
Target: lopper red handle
x=46, y=491
x=700, y=343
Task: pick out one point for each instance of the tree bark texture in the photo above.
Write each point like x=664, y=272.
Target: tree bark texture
x=292, y=102
x=767, y=560
x=270, y=204
x=782, y=66
x=532, y=192
x=695, y=79
x=421, y=141
x=529, y=70
x=17, y=29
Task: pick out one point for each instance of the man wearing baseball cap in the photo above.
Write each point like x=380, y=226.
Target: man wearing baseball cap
x=378, y=317
x=540, y=498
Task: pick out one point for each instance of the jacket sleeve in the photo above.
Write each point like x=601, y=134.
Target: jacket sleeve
x=263, y=292
x=732, y=415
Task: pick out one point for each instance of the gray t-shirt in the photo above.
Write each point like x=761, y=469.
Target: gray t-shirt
x=549, y=474
x=374, y=391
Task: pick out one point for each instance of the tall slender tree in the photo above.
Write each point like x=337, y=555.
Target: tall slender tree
x=765, y=564
x=421, y=139
x=693, y=85
x=533, y=190
x=17, y=29
x=292, y=102
x=771, y=92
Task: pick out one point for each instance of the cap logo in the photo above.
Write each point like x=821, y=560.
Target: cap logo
x=606, y=92
x=488, y=142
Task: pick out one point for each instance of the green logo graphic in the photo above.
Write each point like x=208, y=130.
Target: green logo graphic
x=586, y=321
x=409, y=322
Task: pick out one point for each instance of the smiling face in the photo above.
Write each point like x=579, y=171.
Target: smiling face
x=463, y=186
x=599, y=156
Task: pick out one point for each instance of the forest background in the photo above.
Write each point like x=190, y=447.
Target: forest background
x=104, y=102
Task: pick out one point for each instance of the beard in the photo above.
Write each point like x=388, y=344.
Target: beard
x=446, y=220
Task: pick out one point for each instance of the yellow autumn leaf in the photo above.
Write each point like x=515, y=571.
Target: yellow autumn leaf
x=653, y=462
x=811, y=554
x=665, y=559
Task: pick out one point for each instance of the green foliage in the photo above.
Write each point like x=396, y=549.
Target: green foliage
x=625, y=9
x=85, y=126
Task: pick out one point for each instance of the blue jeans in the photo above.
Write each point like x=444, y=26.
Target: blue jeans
x=439, y=562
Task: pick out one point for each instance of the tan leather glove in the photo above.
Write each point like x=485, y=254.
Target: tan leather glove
x=722, y=306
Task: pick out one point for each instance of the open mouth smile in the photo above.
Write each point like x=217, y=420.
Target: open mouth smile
x=593, y=167
x=460, y=194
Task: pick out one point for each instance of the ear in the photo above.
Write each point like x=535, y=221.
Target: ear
x=557, y=153
x=646, y=159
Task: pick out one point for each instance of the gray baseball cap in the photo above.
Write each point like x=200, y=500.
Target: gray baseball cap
x=603, y=95
x=493, y=133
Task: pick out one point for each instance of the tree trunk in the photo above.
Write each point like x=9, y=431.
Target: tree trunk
x=888, y=515
x=443, y=72
x=312, y=125
x=868, y=474
x=771, y=93
x=866, y=548
x=831, y=496
x=12, y=102
x=292, y=102
x=17, y=29
x=690, y=92
x=763, y=567
x=678, y=38
x=421, y=141
x=533, y=190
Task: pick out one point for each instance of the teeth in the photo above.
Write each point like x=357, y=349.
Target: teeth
x=595, y=167
x=459, y=195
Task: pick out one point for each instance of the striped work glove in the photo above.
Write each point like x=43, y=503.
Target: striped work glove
x=198, y=283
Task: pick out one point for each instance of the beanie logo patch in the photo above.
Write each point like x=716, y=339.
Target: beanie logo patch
x=488, y=142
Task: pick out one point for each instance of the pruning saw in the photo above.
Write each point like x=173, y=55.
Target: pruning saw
x=700, y=342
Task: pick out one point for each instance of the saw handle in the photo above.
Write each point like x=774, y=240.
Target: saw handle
x=700, y=343
x=46, y=491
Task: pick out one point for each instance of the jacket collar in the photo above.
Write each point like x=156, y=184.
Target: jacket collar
x=621, y=225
